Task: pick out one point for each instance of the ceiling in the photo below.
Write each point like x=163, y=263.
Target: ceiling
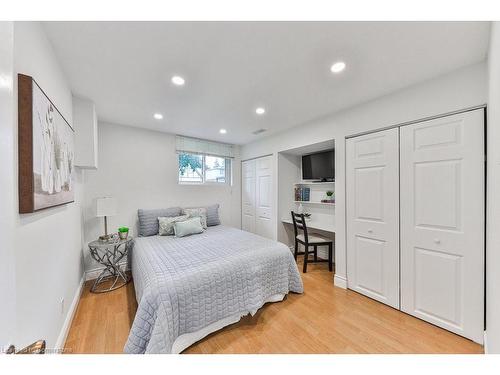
x=231, y=68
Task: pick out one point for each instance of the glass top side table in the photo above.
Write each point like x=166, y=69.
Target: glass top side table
x=109, y=254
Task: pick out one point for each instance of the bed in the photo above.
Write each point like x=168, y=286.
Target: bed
x=187, y=288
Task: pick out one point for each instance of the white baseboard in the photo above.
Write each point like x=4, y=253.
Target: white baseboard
x=93, y=273
x=340, y=281
x=63, y=334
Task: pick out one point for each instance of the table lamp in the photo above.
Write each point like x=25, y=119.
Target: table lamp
x=106, y=207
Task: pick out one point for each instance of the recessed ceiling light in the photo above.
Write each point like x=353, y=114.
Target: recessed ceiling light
x=260, y=110
x=338, y=67
x=223, y=131
x=158, y=116
x=178, y=81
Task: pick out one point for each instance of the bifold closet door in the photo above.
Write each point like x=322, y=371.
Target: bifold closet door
x=263, y=197
x=442, y=222
x=248, y=196
x=372, y=188
x=256, y=196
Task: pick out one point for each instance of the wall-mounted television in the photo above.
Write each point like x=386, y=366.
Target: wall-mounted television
x=319, y=166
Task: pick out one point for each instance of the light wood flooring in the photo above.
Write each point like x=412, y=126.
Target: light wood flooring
x=325, y=319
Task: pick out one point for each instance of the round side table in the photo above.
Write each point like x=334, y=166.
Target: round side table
x=109, y=254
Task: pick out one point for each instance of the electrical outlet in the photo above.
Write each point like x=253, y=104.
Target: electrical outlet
x=62, y=305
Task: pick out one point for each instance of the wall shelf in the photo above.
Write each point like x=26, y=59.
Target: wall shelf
x=312, y=202
x=314, y=183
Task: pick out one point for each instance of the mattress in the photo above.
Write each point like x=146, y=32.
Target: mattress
x=188, y=287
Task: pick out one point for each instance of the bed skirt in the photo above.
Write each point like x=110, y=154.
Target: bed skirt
x=186, y=340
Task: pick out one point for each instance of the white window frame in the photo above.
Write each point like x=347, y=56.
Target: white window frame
x=227, y=163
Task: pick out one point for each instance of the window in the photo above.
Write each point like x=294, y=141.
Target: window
x=215, y=169
x=204, y=169
x=190, y=168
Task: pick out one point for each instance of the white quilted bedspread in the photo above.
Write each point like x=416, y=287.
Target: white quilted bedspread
x=185, y=284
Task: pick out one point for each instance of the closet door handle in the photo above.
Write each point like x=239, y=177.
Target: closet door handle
x=437, y=241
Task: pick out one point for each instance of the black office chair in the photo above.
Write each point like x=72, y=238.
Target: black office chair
x=315, y=240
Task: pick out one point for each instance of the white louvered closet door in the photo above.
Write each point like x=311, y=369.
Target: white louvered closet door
x=442, y=222
x=372, y=188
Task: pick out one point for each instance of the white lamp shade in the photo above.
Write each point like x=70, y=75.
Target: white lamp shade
x=106, y=207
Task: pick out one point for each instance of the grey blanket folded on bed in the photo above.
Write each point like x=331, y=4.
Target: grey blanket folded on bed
x=185, y=284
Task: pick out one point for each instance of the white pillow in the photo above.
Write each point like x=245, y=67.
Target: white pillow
x=197, y=212
x=166, y=224
x=188, y=227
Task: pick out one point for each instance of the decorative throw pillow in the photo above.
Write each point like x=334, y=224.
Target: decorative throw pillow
x=212, y=214
x=197, y=212
x=188, y=227
x=166, y=224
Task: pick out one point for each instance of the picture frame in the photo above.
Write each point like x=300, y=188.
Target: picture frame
x=46, y=150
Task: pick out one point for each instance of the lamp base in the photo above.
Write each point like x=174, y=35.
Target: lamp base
x=105, y=237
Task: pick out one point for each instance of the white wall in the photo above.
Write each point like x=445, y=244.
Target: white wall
x=48, y=244
x=7, y=195
x=460, y=89
x=288, y=174
x=493, y=196
x=139, y=168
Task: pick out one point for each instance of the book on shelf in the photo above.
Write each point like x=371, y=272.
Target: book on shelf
x=302, y=194
x=307, y=194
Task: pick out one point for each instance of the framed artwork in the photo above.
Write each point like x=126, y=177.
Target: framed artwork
x=46, y=150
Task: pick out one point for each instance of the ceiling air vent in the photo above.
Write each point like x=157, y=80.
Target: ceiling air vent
x=259, y=131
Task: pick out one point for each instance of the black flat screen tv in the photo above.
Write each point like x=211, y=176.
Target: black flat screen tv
x=319, y=166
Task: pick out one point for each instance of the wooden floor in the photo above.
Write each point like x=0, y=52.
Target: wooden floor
x=325, y=319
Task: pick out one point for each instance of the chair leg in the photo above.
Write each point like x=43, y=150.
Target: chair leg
x=306, y=255
x=296, y=249
x=315, y=253
x=330, y=257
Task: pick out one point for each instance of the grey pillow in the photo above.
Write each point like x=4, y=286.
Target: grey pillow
x=213, y=215
x=148, y=219
x=197, y=212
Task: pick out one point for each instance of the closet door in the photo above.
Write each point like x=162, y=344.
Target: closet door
x=372, y=188
x=264, y=191
x=248, y=196
x=442, y=222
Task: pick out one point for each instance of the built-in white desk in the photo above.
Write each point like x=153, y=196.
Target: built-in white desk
x=314, y=224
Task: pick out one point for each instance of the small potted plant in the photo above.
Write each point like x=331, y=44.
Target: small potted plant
x=123, y=233
x=329, y=196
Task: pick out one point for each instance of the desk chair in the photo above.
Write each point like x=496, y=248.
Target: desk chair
x=314, y=240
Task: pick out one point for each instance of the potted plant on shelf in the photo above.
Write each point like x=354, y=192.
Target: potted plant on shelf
x=329, y=197
x=123, y=233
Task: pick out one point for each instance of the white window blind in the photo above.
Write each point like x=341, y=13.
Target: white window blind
x=204, y=147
